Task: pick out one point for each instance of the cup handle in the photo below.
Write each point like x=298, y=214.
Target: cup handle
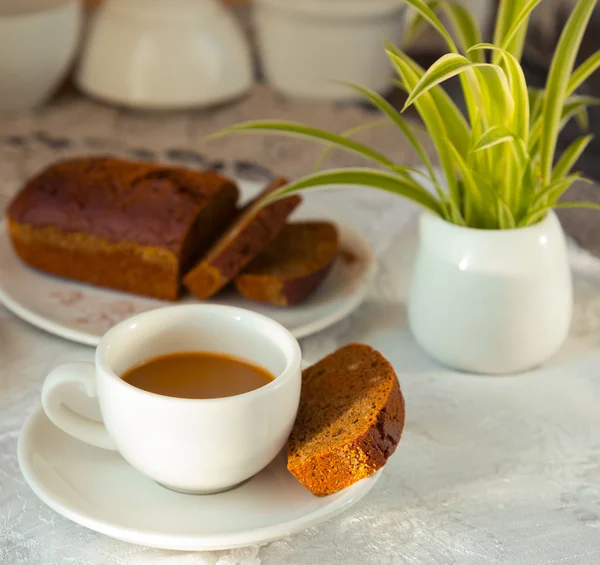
x=81, y=428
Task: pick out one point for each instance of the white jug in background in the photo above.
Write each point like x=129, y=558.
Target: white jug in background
x=164, y=54
x=307, y=47
x=38, y=42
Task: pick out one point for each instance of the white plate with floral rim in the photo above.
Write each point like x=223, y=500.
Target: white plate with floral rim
x=84, y=313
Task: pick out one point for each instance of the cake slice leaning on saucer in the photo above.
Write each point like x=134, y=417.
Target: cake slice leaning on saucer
x=350, y=420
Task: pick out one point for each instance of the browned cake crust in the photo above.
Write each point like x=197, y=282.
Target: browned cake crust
x=292, y=266
x=250, y=233
x=350, y=420
x=129, y=226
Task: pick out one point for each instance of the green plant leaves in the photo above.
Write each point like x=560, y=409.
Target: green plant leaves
x=496, y=135
x=498, y=164
x=540, y=214
x=494, y=91
x=497, y=99
x=550, y=195
x=478, y=198
x=433, y=120
x=514, y=15
x=387, y=109
x=295, y=129
x=583, y=72
x=362, y=177
x=429, y=15
x=558, y=81
x=575, y=106
x=348, y=134
x=536, y=103
x=464, y=24
x=416, y=22
x=590, y=205
x=570, y=157
x=518, y=89
x=506, y=220
x=455, y=124
x=465, y=27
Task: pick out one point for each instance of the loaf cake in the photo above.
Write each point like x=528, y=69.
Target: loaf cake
x=255, y=227
x=292, y=266
x=134, y=227
x=350, y=420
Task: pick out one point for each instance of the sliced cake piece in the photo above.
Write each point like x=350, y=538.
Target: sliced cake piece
x=292, y=266
x=254, y=228
x=350, y=420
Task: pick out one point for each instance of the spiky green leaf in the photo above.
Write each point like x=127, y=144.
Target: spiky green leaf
x=573, y=107
x=512, y=38
x=362, y=177
x=550, y=194
x=300, y=130
x=536, y=103
x=431, y=116
x=416, y=22
x=518, y=88
x=506, y=219
x=466, y=29
x=384, y=106
x=589, y=205
x=456, y=126
x=349, y=133
x=558, y=81
x=430, y=17
x=496, y=135
x=495, y=92
x=570, y=157
x=583, y=72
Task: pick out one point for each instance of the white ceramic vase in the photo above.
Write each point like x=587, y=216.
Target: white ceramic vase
x=492, y=302
x=307, y=46
x=165, y=54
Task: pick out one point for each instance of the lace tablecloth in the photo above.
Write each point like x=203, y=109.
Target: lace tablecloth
x=490, y=470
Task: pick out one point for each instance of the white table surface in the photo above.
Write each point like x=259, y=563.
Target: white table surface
x=502, y=470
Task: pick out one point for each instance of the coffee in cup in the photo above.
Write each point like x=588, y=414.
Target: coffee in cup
x=197, y=374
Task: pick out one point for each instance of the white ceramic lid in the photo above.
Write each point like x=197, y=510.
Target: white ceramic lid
x=15, y=8
x=165, y=54
x=337, y=8
x=165, y=10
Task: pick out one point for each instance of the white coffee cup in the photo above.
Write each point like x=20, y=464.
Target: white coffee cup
x=187, y=445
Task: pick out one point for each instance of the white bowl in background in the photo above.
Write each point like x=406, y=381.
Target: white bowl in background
x=38, y=42
x=306, y=46
x=164, y=54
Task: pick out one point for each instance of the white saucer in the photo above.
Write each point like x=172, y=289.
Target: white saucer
x=84, y=313
x=99, y=490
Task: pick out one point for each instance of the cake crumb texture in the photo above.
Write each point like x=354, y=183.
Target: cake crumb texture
x=120, y=224
x=350, y=420
x=292, y=266
x=253, y=229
